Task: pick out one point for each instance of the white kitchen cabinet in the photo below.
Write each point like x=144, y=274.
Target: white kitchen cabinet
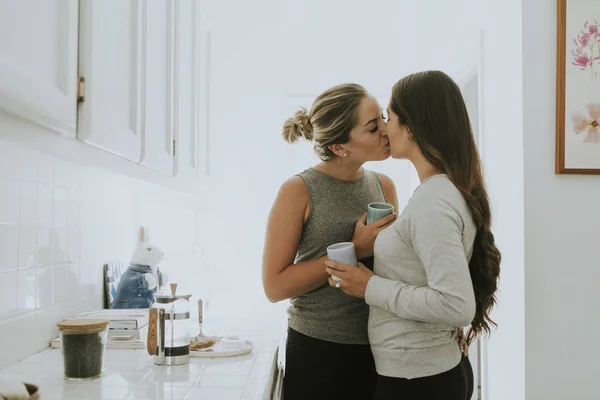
x=129, y=78
x=203, y=97
x=38, y=62
x=158, y=94
x=112, y=40
x=191, y=74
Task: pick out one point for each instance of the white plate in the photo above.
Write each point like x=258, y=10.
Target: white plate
x=221, y=349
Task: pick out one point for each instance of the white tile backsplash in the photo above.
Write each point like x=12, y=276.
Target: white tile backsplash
x=62, y=172
x=8, y=290
x=72, y=281
x=60, y=222
x=9, y=251
x=28, y=204
x=28, y=166
x=44, y=251
x=60, y=206
x=45, y=287
x=7, y=335
x=27, y=290
x=45, y=173
x=28, y=340
x=58, y=241
x=45, y=204
x=28, y=246
x=60, y=284
x=73, y=254
x=9, y=201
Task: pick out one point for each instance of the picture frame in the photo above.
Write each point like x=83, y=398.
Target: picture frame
x=578, y=88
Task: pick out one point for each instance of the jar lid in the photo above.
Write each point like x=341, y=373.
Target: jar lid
x=82, y=324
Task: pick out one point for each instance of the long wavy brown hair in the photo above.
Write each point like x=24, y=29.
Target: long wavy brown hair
x=431, y=106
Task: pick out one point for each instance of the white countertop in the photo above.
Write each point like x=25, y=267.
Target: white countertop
x=131, y=374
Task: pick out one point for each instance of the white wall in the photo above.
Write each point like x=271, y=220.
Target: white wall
x=503, y=167
x=268, y=58
x=60, y=221
x=546, y=224
x=562, y=227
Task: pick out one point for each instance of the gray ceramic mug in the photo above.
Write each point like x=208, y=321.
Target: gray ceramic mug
x=376, y=211
x=343, y=253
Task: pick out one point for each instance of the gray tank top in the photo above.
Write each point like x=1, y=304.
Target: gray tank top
x=327, y=313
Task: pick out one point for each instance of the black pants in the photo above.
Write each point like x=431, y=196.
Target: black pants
x=456, y=384
x=316, y=369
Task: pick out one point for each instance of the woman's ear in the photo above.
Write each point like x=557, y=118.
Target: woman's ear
x=338, y=149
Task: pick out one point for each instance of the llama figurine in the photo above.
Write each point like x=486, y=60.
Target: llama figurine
x=142, y=278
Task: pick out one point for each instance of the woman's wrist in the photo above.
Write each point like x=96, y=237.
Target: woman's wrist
x=358, y=251
x=361, y=251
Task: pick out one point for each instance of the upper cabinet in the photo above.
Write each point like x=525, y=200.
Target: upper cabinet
x=202, y=106
x=38, y=62
x=128, y=77
x=185, y=82
x=158, y=90
x=192, y=59
x=112, y=37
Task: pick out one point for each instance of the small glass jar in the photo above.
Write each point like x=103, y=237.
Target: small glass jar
x=83, y=343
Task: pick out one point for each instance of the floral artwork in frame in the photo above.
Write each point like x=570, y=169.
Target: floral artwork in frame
x=578, y=87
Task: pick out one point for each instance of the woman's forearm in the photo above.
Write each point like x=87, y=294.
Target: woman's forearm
x=297, y=279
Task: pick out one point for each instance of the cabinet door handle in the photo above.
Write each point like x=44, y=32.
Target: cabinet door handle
x=81, y=90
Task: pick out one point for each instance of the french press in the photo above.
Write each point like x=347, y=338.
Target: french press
x=169, y=328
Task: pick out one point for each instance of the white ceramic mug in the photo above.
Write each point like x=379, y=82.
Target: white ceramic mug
x=343, y=253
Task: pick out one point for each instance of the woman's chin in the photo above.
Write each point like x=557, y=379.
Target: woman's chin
x=385, y=155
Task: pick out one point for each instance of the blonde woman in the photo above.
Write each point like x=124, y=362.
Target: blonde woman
x=328, y=354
